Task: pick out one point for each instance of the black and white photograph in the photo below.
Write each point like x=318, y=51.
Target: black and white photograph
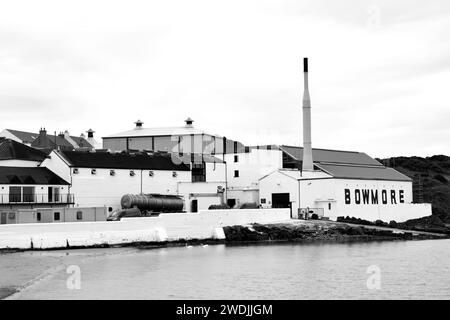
x=224, y=155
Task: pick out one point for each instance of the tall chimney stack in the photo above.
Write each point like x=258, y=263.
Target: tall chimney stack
x=307, y=149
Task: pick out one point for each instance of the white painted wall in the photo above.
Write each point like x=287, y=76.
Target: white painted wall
x=215, y=172
x=204, y=192
x=166, y=227
x=277, y=182
x=102, y=189
x=58, y=165
x=251, y=166
x=244, y=195
x=370, y=211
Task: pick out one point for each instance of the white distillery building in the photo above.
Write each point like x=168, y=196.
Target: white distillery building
x=102, y=178
x=330, y=183
x=343, y=183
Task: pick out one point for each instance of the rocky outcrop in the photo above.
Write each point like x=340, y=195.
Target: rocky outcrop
x=319, y=231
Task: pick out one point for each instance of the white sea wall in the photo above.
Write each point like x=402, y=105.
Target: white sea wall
x=205, y=224
x=399, y=213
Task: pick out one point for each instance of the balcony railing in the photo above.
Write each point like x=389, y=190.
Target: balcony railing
x=37, y=199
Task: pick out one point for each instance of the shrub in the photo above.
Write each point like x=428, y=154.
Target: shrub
x=393, y=224
x=441, y=178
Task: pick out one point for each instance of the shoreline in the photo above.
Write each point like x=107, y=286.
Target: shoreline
x=295, y=231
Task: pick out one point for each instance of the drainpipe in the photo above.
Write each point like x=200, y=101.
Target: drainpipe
x=142, y=172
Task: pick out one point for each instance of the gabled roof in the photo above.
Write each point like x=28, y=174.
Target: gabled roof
x=26, y=137
x=332, y=156
x=144, y=161
x=13, y=150
x=366, y=173
x=29, y=176
x=343, y=164
x=29, y=137
x=163, y=131
x=81, y=142
x=231, y=145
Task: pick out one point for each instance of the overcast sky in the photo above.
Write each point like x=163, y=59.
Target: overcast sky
x=379, y=70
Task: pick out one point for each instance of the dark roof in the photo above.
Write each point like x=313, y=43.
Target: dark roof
x=29, y=175
x=360, y=172
x=29, y=137
x=145, y=161
x=332, y=156
x=26, y=137
x=343, y=164
x=51, y=142
x=10, y=149
x=81, y=142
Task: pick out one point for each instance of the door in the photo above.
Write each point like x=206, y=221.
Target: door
x=194, y=206
x=281, y=200
x=3, y=218
x=231, y=203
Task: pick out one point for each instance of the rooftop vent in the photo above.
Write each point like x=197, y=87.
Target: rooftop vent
x=189, y=122
x=139, y=124
x=90, y=133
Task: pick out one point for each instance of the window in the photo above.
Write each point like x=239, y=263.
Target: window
x=28, y=194
x=53, y=194
x=56, y=216
x=236, y=173
x=236, y=158
x=50, y=194
x=198, y=172
x=263, y=200
x=79, y=215
x=38, y=216
x=329, y=206
x=56, y=195
x=15, y=194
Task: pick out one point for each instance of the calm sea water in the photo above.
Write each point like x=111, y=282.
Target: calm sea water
x=407, y=270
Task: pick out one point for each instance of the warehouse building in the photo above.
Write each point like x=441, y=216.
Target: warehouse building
x=343, y=183
x=183, y=139
x=102, y=178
